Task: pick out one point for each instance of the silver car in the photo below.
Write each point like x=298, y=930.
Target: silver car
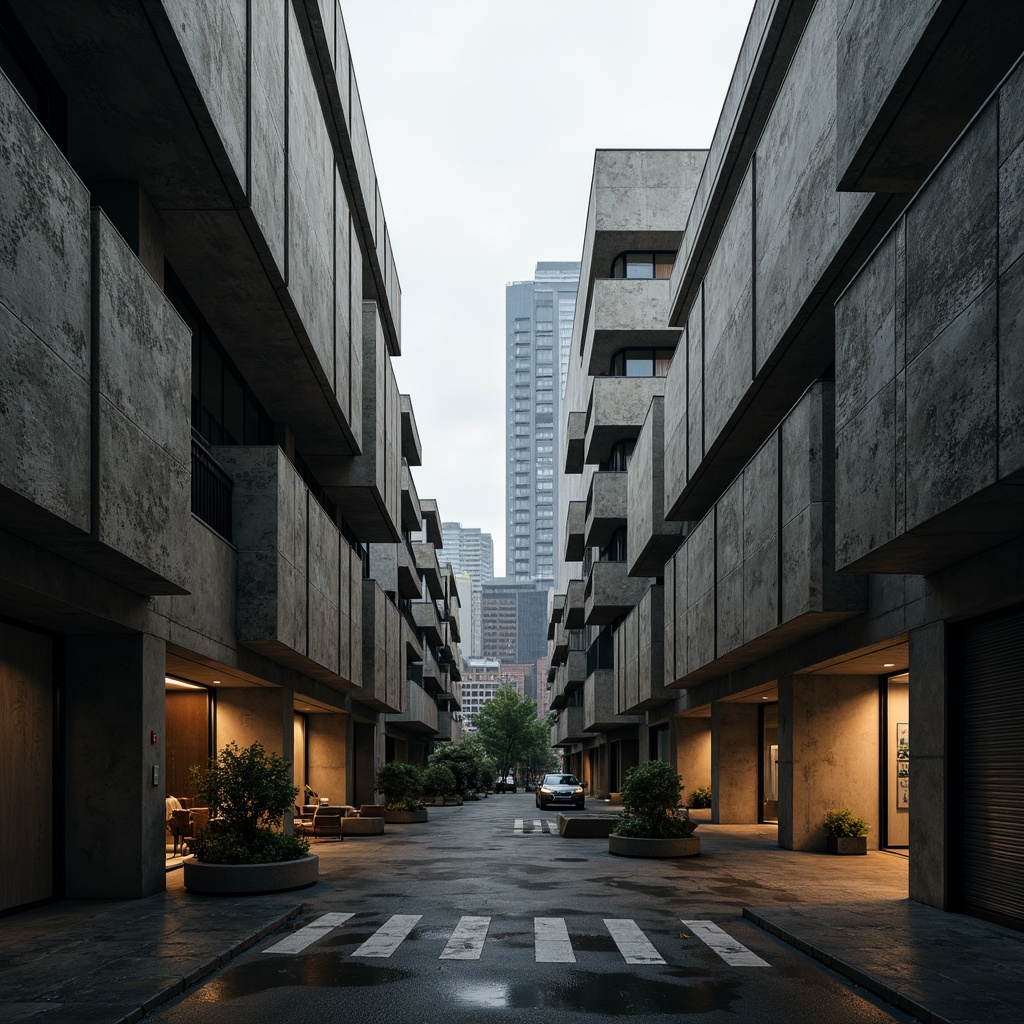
x=560, y=789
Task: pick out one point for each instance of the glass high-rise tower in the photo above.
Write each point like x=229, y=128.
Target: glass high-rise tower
x=538, y=332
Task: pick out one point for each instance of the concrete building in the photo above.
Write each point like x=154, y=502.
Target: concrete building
x=538, y=329
x=470, y=551
x=209, y=530
x=805, y=534
x=481, y=680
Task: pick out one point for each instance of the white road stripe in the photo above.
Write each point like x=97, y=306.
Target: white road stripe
x=298, y=941
x=538, y=824
x=732, y=952
x=467, y=941
x=634, y=946
x=551, y=941
x=518, y=826
x=389, y=936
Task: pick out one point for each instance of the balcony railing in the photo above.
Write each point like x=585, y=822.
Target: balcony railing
x=211, y=489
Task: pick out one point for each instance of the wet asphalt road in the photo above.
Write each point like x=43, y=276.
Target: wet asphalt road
x=471, y=862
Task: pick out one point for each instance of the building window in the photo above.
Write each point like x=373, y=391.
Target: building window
x=643, y=266
x=640, y=362
x=619, y=456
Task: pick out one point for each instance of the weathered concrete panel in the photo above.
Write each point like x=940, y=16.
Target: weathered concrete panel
x=213, y=39
x=1011, y=371
x=44, y=319
x=324, y=551
x=144, y=458
x=797, y=208
x=951, y=414
x=267, y=117
x=310, y=208
x=951, y=236
x=344, y=336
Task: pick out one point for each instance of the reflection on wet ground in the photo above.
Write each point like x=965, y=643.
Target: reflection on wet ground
x=619, y=994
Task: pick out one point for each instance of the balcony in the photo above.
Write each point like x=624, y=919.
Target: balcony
x=449, y=728
x=606, y=508
x=616, y=412
x=557, y=610
x=412, y=450
x=431, y=522
x=568, y=729
x=384, y=651
x=560, y=645
x=425, y=619
x=575, y=436
x=420, y=713
x=650, y=539
x=757, y=573
x=292, y=566
x=412, y=516
x=574, y=605
x=430, y=674
x=575, y=525
x=611, y=593
x=628, y=313
x=929, y=460
x=425, y=556
x=639, y=644
x=369, y=486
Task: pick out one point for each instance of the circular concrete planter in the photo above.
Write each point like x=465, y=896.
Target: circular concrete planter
x=627, y=846
x=405, y=817
x=250, y=879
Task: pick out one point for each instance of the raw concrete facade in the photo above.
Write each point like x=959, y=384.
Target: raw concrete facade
x=187, y=194
x=823, y=500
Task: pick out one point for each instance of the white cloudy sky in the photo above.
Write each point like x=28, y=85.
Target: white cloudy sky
x=483, y=118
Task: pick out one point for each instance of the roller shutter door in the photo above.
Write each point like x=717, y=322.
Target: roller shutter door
x=993, y=854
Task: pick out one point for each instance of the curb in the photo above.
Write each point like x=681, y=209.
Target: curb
x=854, y=974
x=176, y=988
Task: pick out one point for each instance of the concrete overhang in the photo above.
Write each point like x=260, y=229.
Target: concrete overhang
x=575, y=435
x=431, y=521
x=575, y=528
x=412, y=451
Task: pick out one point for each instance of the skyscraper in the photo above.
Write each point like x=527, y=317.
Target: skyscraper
x=513, y=624
x=538, y=331
x=470, y=551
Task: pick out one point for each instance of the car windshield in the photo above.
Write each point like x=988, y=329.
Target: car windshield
x=560, y=780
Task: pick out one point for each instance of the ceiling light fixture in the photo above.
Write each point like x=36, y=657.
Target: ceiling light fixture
x=889, y=664
x=216, y=682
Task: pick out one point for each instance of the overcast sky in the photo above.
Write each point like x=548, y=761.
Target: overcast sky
x=483, y=117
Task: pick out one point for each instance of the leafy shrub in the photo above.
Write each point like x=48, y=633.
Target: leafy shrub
x=701, y=797
x=843, y=823
x=650, y=798
x=248, y=792
x=437, y=780
x=401, y=784
x=465, y=760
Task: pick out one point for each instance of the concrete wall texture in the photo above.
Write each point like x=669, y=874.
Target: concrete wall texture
x=201, y=434
x=835, y=464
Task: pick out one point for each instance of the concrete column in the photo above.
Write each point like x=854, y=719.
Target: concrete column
x=364, y=761
x=327, y=754
x=734, y=753
x=828, y=755
x=114, y=772
x=928, y=765
x=261, y=714
x=693, y=752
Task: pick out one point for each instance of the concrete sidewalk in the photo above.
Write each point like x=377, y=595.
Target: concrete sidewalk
x=83, y=962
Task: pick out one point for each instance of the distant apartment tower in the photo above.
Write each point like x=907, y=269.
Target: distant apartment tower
x=470, y=551
x=481, y=680
x=538, y=332
x=513, y=624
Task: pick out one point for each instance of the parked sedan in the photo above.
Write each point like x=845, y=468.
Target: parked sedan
x=560, y=789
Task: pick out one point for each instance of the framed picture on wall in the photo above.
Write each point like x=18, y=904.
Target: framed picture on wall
x=902, y=766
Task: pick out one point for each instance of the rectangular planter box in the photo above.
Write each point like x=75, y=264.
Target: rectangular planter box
x=847, y=845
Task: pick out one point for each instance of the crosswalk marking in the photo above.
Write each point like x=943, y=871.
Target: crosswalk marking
x=523, y=826
x=731, y=951
x=389, y=936
x=551, y=941
x=298, y=941
x=552, y=944
x=467, y=941
x=634, y=946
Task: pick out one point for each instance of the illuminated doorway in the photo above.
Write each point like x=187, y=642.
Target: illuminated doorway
x=895, y=801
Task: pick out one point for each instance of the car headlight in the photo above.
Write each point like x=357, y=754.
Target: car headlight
x=544, y=789
x=578, y=789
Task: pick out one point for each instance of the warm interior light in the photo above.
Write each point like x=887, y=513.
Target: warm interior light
x=216, y=682
x=889, y=664
x=178, y=684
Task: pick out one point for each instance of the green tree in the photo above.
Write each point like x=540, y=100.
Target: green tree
x=464, y=759
x=510, y=732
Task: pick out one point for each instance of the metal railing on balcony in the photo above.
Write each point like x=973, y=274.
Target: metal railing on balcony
x=211, y=489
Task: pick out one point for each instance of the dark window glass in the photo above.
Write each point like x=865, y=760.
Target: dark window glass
x=643, y=266
x=640, y=266
x=234, y=409
x=21, y=62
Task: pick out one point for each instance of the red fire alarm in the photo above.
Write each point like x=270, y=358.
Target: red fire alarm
x=152, y=736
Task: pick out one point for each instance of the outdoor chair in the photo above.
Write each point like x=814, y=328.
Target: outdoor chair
x=327, y=822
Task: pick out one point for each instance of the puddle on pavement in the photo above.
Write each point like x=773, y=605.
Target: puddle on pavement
x=607, y=994
x=320, y=971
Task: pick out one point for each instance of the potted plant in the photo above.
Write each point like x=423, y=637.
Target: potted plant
x=401, y=784
x=652, y=823
x=242, y=849
x=700, y=797
x=438, y=783
x=844, y=833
